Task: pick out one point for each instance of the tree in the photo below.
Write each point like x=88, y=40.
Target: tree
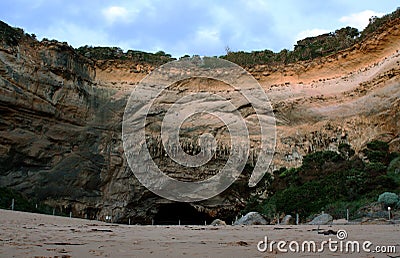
x=388, y=199
x=160, y=53
x=227, y=50
x=185, y=56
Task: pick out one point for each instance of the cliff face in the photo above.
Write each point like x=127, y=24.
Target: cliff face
x=350, y=97
x=61, y=135
x=61, y=117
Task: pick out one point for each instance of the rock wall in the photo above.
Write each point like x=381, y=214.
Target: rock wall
x=60, y=136
x=61, y=116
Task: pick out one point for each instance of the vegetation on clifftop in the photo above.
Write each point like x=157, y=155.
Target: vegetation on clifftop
x=312, y=47
x=9, y=35
x=305, y=49
x=106, y=53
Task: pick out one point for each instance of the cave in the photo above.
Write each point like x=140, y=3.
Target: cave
x=172, y=213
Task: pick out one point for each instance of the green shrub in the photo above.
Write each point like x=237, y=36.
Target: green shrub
x=288, y=172
x=388, y=198
x=393, y=155
x=393, y=170
x=305, y=49
x=319, y=158
x=376, y=156
x=268, y=209
x=378, y=146
x=382, y=183
x=11, y=36
x=338, y=209
x=307, y=198
x=376, y=23
x=375, y=168
x=377, y=151
x=20, y=202
x=312, y=47
x=104, y=53
x=330, y=182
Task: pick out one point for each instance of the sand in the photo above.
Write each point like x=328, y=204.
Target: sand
x=37, y=235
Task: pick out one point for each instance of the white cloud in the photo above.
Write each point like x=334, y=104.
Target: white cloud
x=310, y=33
x=204, y=41
x=207, y=36
x=359, y=20
x=117, y=13
x=256, y=5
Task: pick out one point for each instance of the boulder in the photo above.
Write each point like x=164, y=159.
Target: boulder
x=322, y=219
x=288, y=220
x=251, y=218
x=218, y=222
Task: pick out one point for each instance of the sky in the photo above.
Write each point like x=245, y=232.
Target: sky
x=197, y=27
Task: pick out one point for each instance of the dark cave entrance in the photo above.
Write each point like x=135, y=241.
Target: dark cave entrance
x=172, y=213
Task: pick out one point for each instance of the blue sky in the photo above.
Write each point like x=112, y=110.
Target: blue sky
x=188, y=27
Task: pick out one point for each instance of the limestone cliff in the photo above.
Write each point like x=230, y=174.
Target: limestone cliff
x=61, y=116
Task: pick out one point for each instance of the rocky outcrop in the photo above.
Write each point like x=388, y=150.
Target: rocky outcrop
x=323, y=219
x=251, y=218
x=288, y=220
x=61, y=115
x=218, y=222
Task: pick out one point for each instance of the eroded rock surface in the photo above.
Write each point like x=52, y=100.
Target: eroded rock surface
x=61, y=116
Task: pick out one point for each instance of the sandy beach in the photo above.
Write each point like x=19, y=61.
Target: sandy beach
x=36, y=235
